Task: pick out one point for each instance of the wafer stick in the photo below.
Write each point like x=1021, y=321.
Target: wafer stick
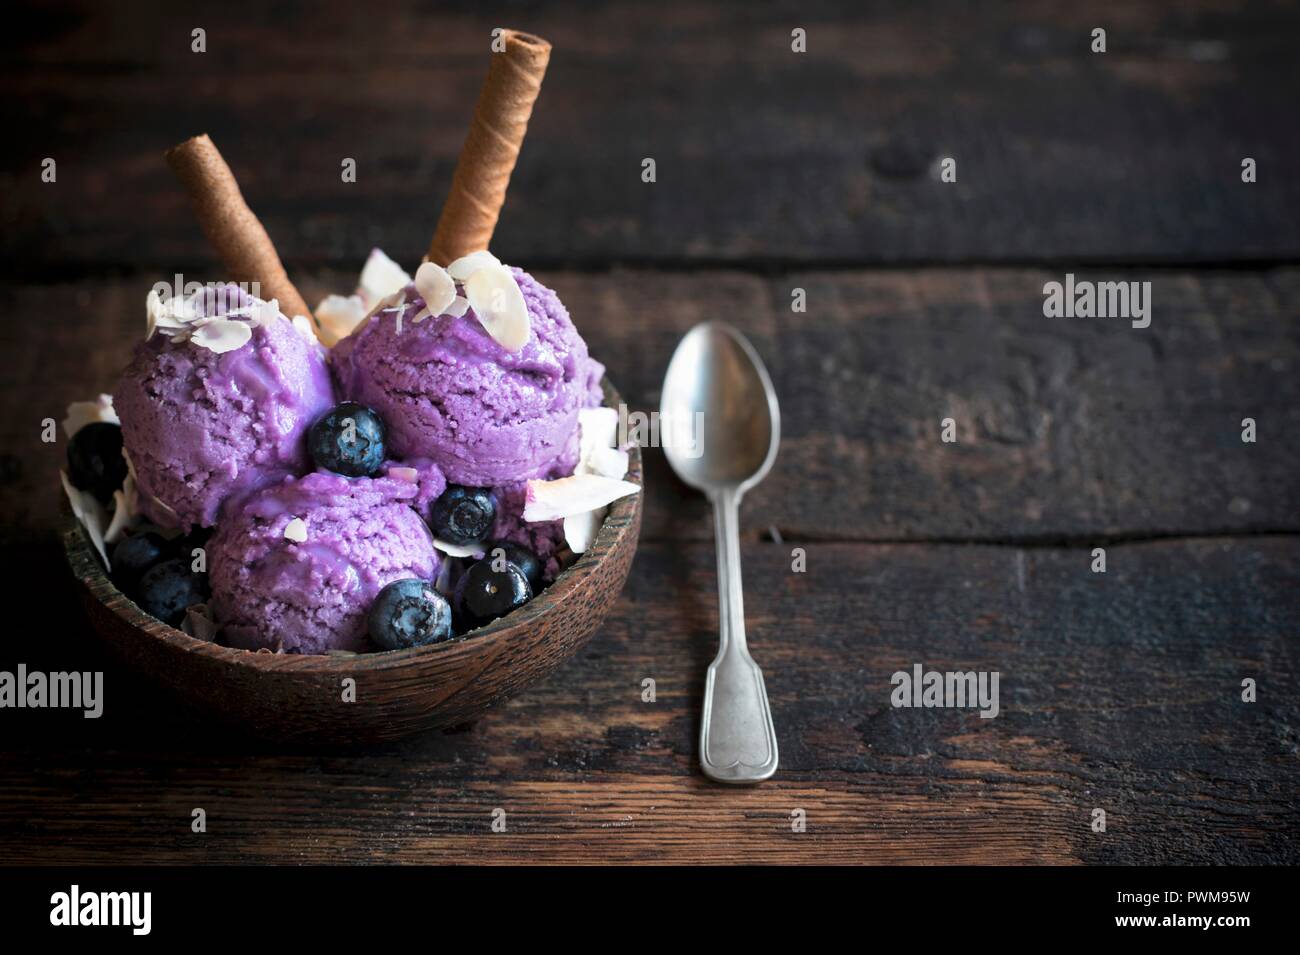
x=232, y=228
x=478, y=188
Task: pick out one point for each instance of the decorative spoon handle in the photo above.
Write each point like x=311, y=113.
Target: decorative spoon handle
x=737, y=739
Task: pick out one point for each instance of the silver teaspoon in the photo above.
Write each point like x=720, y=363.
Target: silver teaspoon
x=720, y=427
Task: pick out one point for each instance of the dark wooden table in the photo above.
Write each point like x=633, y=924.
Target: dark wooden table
x=775, y=171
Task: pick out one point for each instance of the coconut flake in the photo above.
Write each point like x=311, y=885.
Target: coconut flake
x=580, y=530
x=82, y=413
x=338, y=315
x=467, y=265
x=443, y=583
x=598, y=430
x=121, y=519
x=598, y=427
x=90, y=513
x=563, y=497
x=458, y=550
x=380, y=277
x=222, y=335
x=305, y=328
x=435, y=286
x=458, y=307
x=496, y=299
x=606, y=462
x=296, y=531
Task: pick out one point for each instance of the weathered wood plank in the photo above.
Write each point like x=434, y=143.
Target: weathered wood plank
x=762, y=153
x=1068, y=429
x=1118, y=691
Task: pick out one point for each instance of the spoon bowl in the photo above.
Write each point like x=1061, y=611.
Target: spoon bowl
x=723, y=423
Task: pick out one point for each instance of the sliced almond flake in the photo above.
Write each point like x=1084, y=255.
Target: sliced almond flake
x=338, y=315
x=458, y=550
x=563, y=497
x=168, y=315
x=153, y=311
x=410, y=475
x=458, y=307
x=222, y=335
x=420, y=316
x=467, y=265
x=264, y=313
x=90, y=513
x=435, y=286
x=82, y=413
x=380, y=277
x=296, y=531
x=499, y=305
x=580, y=530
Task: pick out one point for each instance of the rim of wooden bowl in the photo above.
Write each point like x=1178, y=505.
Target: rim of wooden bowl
x=618, y=524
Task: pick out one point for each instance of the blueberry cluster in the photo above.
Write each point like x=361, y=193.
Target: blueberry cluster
x=159, y=574
x=156, y=573
x=350, y=440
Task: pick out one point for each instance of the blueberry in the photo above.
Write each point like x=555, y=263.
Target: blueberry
x=484, y=594
x=520, y=556
x=409, y=613
x=135, y=555
x=167, y=589
x=95, y=461
x=348, y=440
x=463, y=515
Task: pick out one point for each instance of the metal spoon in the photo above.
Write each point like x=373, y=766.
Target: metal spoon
x=720, y=426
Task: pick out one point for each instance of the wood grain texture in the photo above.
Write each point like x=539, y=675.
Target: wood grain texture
x=1118, y=691
x=762, y=154
x=1068, y=429
x=775, y=171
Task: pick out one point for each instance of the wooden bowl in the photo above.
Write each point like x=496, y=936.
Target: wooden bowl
x=398, y=692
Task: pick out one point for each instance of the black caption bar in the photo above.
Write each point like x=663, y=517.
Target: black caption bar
x=330, y=904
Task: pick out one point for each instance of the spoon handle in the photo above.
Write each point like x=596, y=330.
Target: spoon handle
x=737, y=739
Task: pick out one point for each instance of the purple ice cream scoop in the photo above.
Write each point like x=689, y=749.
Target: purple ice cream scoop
x=450, y=393
x=311, y=595
x=201, y=427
